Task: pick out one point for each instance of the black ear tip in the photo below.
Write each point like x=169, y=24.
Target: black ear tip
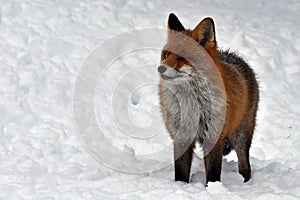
x=174, y=23
x=172, y=15
x=209, y=19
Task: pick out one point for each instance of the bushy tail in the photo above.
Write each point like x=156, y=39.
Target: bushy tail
x=227, y=147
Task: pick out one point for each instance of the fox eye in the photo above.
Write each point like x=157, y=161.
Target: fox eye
x=165, y=56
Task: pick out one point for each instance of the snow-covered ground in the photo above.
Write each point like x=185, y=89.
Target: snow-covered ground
x=46, y=150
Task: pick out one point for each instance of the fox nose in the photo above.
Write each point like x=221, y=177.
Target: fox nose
x=161, y=69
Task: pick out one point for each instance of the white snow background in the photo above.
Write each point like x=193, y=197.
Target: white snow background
x=43, y=45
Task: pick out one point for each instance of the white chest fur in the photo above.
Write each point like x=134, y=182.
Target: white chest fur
x=193, y=110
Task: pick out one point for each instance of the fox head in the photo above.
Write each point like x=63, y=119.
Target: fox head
x=176, y=67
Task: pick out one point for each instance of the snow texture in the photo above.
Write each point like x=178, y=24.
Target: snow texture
x=43, y=45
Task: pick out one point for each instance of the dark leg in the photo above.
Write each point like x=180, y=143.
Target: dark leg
x=213, y=163
x=244, y=165
x=241, y=142
x=183, y=157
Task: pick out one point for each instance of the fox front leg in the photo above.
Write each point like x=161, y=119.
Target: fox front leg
x=183, y=156
x=213, y=163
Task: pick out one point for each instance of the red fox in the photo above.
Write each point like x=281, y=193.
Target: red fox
x=185, y=105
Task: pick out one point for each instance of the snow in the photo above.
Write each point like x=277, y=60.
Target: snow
x=49, y=151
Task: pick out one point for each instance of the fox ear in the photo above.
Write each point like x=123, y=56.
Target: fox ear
x=204, y=32
x=174, y=23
